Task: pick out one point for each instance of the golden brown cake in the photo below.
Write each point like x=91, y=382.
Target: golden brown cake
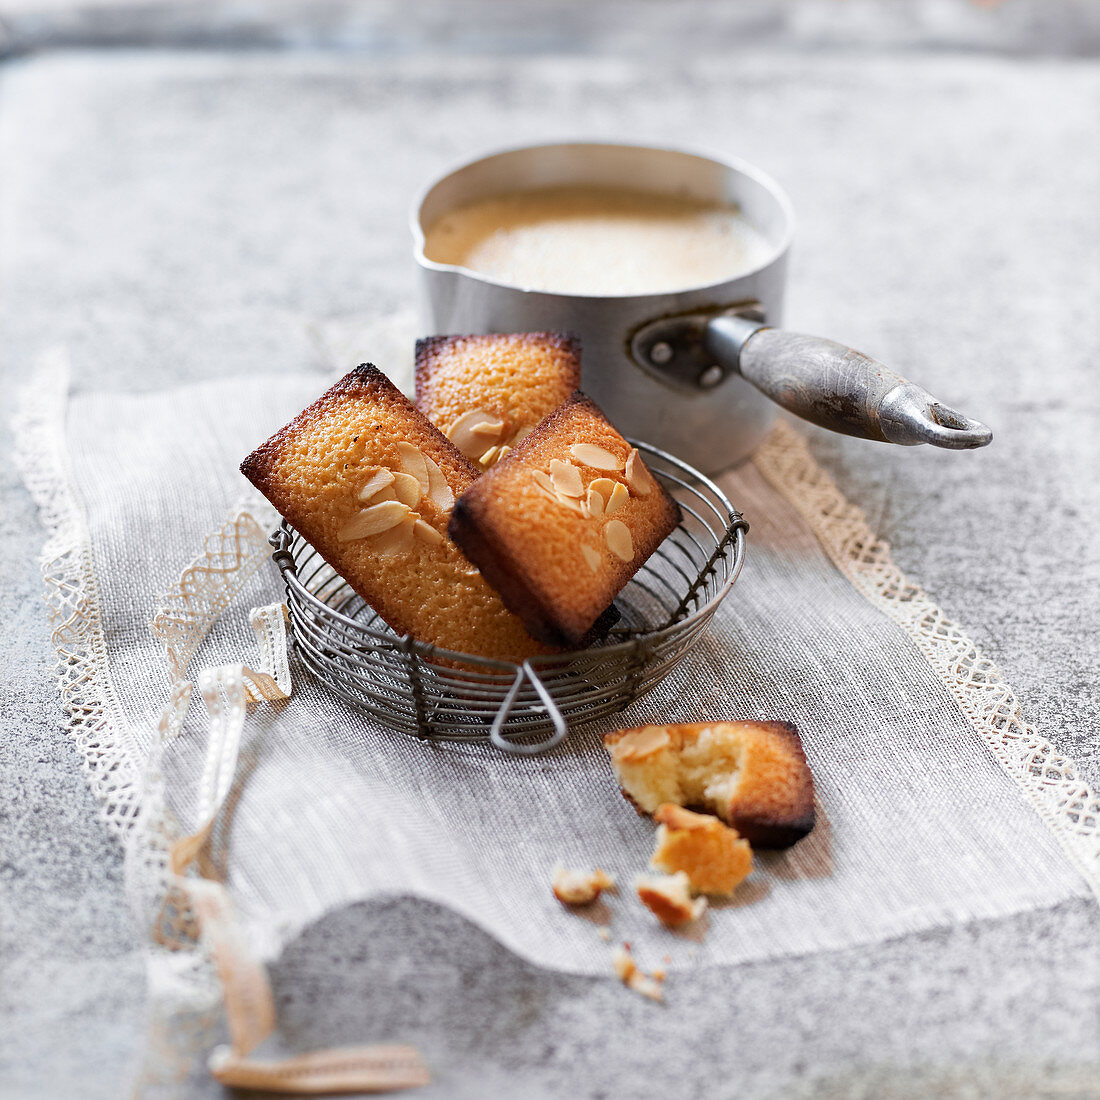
x=486, y=393
x=712, y=855
x=563, y=522
x=753, y=775
x=370, y=483
x=668, y=898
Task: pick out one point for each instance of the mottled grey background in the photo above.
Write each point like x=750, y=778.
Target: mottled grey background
x=180, y=187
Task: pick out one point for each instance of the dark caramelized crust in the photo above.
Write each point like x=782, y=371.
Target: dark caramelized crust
x=774, y=805
x=315, y=471
x=753, y=775
x=510, y=380
x=558, y=558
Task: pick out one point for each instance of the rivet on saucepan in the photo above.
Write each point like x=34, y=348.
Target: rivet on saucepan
x=711, y=376
x=660, y=353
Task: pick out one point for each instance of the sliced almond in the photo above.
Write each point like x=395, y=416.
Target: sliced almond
x=413, y=462
x=542, y=480
x=437, y=489
x=566, y=478
x=474, y=431
x=384, y=494
x=640, y=744
x=593, y=558
x=547, y=486
x=407, y=489
x=618, y=539
x=588, y=454
x=397, y=541
x=375, y=484
x=572, y=504
x=638, y=476
x=521, y=435
x=502, y=450
x=594, y=502
x=427, y=533
x=373, y=520
x=619, y=496
x=489, y=457
x=605, y=486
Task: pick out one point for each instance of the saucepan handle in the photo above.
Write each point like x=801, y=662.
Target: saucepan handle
x=837, y=387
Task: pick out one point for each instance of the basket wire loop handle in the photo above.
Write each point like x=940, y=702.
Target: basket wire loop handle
x=737, y=522
x=561, y=728
x=412, y=662
x=281, y=555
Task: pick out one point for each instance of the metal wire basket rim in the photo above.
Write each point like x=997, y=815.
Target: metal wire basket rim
x=735, y=531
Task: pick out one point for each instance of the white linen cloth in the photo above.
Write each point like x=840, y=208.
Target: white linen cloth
x=928, y=784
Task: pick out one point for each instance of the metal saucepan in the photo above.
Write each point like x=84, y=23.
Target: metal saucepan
x=696, y=371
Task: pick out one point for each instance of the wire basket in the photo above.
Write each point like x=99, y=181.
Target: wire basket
x=521, y=708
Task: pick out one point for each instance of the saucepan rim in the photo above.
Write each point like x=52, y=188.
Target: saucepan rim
x=721, y=160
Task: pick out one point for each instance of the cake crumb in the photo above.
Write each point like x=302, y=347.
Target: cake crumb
x=668, y=897
x=645, y=985
x=604, y=933
x=580, y=887
x=713, y=856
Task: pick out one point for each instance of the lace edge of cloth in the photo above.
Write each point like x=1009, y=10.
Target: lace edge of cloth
x=1047, y=778
x=94, y=718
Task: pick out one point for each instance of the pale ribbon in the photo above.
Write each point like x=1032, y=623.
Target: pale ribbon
x=249, y=1004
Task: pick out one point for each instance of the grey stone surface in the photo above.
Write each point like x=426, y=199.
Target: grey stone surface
x=182, y=215
x=1056, y=28
x=921, y=1016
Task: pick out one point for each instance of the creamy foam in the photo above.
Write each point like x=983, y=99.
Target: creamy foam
x=598, y=241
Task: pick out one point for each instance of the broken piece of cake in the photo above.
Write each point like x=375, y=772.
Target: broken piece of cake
x=622, y=960
x=487, y=392
x=370, y=483
x=562, y=523
x=753, y=775
x=579, y=887
x=714, y=857
x=669, y=898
